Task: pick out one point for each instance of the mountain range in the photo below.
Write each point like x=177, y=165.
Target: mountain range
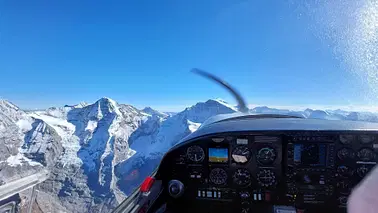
x=98, y=153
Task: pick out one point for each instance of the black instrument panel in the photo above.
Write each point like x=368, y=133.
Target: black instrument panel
x=249, y=170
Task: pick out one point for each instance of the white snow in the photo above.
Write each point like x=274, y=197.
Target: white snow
x=114, y=106
x=19, y=159
x=24, y=125
x=56, y=123
x=91, y=126
x=70, y=142
x=193, y=126
x=225, y=104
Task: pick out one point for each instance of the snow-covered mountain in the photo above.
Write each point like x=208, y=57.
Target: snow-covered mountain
x=320, y=114
x=98, y=153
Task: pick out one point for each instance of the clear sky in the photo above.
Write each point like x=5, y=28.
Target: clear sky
x=140, y=52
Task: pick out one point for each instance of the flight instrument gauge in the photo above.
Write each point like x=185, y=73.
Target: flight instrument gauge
x=345, y=153
x=344, y=186
x=365, y=139
x=241, y=154
x=218, y=176
x=195, y=153
x=345, y=171
x=242, y=177
x=366, y=154
x=266, y=155
x=346, y=139
x=266, y=178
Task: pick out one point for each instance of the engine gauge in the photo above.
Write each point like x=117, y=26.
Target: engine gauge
x=218, y=176
x=195, y=153
x=241, y=154
x=366, y=154
x=266, y=155
x=242, y=177
x=365, y=139
x=346, y=139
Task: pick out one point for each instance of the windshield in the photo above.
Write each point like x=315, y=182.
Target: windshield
x=93, y=94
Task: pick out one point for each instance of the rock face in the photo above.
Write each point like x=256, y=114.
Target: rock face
x=13, y=123
x=99, y=153
x=42, y=144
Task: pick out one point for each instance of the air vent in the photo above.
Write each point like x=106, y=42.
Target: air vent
x=266, y=139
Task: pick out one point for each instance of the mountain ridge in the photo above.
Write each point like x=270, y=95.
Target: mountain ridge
x=98, y=153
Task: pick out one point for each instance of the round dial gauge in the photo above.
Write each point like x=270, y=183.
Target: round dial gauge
x=344, y=186
x=266, y=155
x=365, y=139
x=195, y=153
x=345, y=153
x=362, y=171
x=241, y=154
x=344, y=171
x=346, y=139
x=266, y=178
x=366, y=154
x=242, y=177
x=218, y=176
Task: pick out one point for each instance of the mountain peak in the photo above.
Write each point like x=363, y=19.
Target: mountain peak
x=104, y=105
x=218, y=101
x=7, y=104
x=106, y=99
x=151, y=111
x=81, y=105
x=201, y=111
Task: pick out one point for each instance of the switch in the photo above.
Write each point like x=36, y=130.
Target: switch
x=267, y=196
x=254, y=196
x=192, y=176
x=259, y=196
x=198, y=176
x=215, y=194
x=199, y=193
x=219, y=195
x=209, y=194
x=203, y=194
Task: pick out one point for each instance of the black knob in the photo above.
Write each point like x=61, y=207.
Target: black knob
x=175, y=188
x=343, y=200
x=245, y=210
x=244, y=195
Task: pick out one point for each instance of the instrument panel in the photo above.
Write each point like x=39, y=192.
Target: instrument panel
x=256, y=169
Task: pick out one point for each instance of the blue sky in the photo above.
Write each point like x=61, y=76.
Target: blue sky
x=140, y=52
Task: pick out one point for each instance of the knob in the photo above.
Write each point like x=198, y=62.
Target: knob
x=344, y=186
x=343, y=200
x=175, y=188
x=344, y=171
x=362, y=171
x=244, y=195
x=245, y=210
